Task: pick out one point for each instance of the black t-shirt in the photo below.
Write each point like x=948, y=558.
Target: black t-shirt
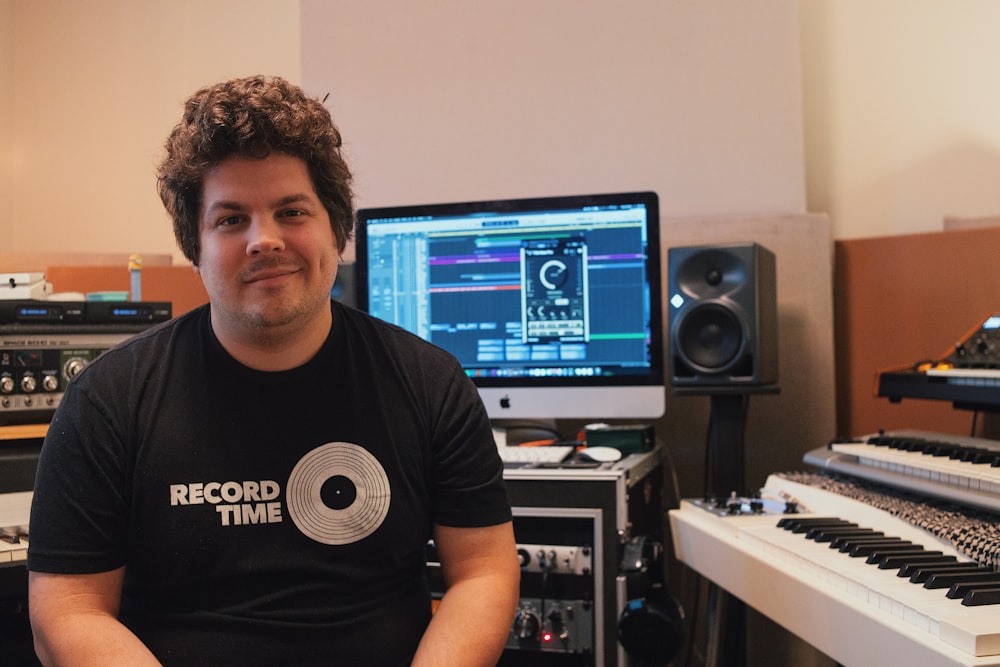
x=266, y=517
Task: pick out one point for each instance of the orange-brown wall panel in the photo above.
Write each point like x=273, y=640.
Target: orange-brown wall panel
x=902, y=299
x=179, y=285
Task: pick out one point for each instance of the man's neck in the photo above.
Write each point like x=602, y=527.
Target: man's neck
x=275, y=348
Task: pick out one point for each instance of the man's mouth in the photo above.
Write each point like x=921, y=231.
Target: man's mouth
x=262, y=275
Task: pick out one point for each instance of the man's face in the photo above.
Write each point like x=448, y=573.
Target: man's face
x=268, y=254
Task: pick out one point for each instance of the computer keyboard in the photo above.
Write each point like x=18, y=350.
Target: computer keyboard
x=513, y=456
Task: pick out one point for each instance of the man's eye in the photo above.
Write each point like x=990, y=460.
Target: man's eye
x=292, y=213
x=229, y=221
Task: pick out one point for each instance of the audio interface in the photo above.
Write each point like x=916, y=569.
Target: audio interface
x=37, y=363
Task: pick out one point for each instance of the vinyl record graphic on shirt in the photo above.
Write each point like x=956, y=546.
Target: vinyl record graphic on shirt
x=338, y=494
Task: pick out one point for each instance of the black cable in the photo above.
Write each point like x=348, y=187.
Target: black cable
x=707, y=465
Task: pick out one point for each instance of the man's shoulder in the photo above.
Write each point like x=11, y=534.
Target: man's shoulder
x=158, y=334
x=369, y=327
x=148, y=346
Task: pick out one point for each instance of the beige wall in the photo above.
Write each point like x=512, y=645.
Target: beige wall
x=6, y=123
x=902, y=112
x=901, y=120
x=92, y=89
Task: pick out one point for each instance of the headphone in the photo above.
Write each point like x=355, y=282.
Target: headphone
x=651, y=626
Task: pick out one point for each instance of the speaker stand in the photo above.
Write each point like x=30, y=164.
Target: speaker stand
x=726, y=423
x=726, y=613
x=726, y=637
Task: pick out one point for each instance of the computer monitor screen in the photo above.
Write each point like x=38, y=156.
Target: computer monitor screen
x=552, y=305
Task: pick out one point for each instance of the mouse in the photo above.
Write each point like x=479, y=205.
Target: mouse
x=600, y=454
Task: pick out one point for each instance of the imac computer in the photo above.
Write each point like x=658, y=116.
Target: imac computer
x=552, y=305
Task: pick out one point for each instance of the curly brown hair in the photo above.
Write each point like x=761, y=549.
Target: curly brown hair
x=252, y=117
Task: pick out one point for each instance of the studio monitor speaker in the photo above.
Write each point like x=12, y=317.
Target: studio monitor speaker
x=723, y=319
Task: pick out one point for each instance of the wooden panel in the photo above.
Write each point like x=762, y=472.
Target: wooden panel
x=179, y=285
x=23, y=432
x=18, y=262
x=900, y=300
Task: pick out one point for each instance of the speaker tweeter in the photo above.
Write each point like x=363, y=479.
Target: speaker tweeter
x=723, y=322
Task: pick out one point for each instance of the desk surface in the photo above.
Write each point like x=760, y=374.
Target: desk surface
x=23, y=431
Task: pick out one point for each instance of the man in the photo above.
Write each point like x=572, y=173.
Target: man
x=255, y=482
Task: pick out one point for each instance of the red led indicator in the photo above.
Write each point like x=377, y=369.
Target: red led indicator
x=546, y=637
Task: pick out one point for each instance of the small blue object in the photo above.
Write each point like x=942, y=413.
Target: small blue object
x=107, y=296
x=136, y=285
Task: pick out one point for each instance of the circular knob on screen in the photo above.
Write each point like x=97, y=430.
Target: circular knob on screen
x=50, y=383
x=523, y=557
x=6, y=384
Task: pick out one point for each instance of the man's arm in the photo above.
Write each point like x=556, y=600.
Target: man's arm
x=482, y=575
x=74, y=619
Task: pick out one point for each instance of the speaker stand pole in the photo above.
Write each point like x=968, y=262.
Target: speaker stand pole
x=727, y=614
x=725, y=444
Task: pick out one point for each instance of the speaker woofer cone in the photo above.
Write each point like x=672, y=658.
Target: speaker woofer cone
x=710, y=337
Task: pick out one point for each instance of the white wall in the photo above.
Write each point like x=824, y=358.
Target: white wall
x=902, y=112
x=444, y=100
x=93, y=88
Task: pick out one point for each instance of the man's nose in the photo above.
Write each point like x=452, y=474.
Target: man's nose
x=264, y=235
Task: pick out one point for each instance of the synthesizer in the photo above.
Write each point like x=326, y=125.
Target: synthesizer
x=968, y=374
x=965, y=470
x=853, y=603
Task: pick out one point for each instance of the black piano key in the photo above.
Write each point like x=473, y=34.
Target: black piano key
x=844, y=542
x=985, y=456
x=920, y=573
x=940, y=449
x=972, y=454
x=947, y=579
x=911, y=552
x=898, y=560
x=828, y=534
x=981, y=596
x=864, y=550
x=801, y=524
x=959, y=590
x=911, y=568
